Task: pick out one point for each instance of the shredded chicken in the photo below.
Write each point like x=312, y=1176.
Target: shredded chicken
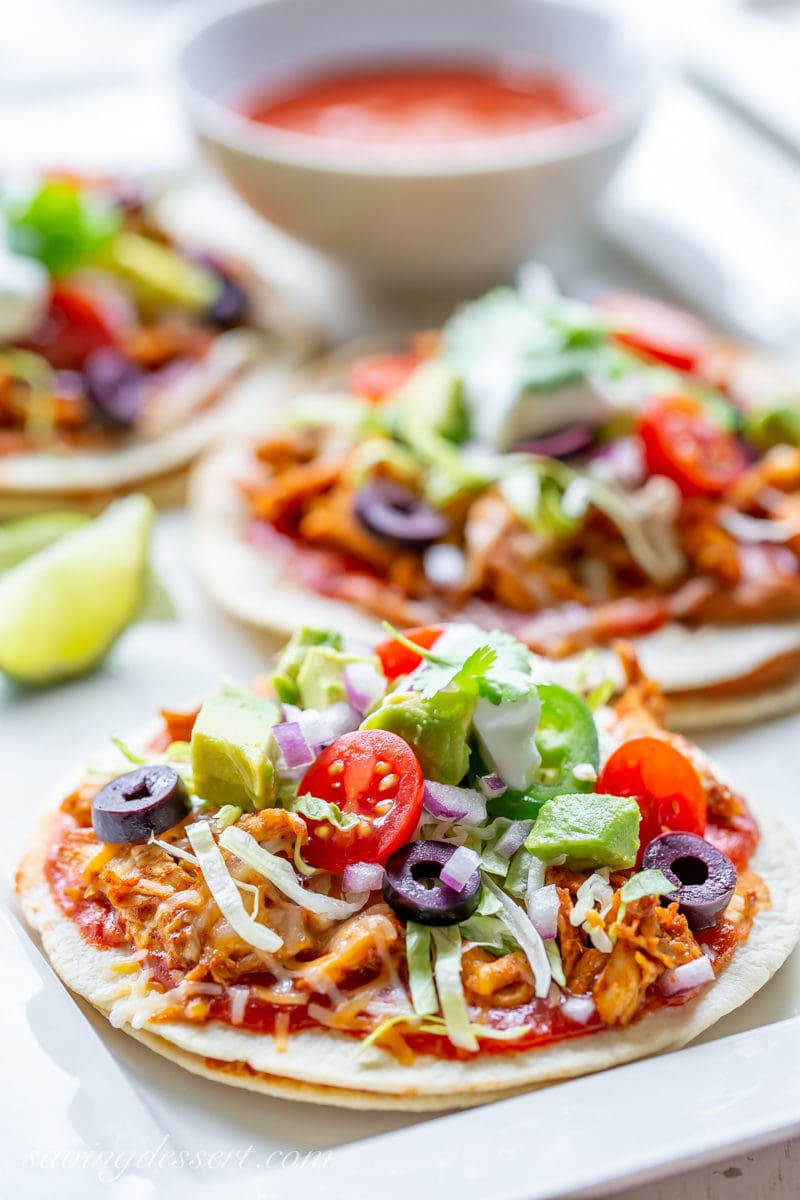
x=497, y=982
x=354, y=950
x=650, y=940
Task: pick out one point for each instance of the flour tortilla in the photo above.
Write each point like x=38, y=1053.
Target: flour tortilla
x=324, y=1067
x=255, y=587
x=229, y=390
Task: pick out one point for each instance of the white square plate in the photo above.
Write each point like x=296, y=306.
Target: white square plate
x=77, y=1093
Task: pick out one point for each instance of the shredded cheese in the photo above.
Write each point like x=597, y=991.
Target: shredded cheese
x=279, y=872
x=99, y=860
x=224, y=890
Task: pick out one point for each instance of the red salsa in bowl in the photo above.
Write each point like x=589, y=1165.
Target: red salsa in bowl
x=423, y=104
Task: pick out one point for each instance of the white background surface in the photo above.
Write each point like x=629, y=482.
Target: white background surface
x=82, y=81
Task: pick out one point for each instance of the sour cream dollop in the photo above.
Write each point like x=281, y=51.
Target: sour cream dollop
x=24, y=294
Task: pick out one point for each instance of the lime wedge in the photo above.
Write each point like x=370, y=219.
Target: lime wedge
x=62, y=609
x=21, y=538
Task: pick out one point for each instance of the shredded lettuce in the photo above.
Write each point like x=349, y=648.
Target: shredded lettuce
x=225, y=891
x=554, y=958
x=228, y=815
x=178, y=752
x=489, y=932
x=126, y=752
x=420, y=972
x=437, y=1025
x=646, y=883
x=601, y=694
x=488, y=904
x=517, y=877
x=491, y=861
x=447, y=971
x=279, y=872
x=527, y=937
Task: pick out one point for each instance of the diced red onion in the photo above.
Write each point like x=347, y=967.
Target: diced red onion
x=322, y=728
x=686, y=977
x=341, y=718
x=492, y=786
x=578, y=1008
x=620, y=461
x=461, y=865
x=363, y=684
x=543, y=907
x=449, y=803
x=295, y=750
x=513, y=838
x=362, y=877
x=239, y=995
x=567, y=441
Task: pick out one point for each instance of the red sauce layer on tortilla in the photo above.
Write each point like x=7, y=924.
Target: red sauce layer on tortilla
x=100, y=927
x=424, y=104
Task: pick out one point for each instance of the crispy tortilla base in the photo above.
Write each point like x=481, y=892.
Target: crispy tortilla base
x=255, y=587
x=324, y=1067
x=232, y=389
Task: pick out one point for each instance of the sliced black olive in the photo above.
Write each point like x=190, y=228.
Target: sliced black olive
x=116, y=386
x=398, y=516
x=563, y=444
x=146, y=801
x=412, y=887
x=705, y=878
x=230, y=306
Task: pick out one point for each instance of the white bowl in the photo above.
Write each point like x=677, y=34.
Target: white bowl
x=457, y=215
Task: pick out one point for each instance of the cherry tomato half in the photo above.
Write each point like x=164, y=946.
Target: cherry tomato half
x=76, y=324
x=374, y=775
x=381, y=374
x=658, y=330
x=682, y=441
x=397, y=659
x=665, y=783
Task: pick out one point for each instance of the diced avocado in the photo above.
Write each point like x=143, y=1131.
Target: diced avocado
x=432, y=400
x=284, y=677
x=234, y=751
x=436, y=729
x=320, y=679
x=774, y=426
x=160, y=274
x=428, y=414
x=587, y=831
x=449, y=474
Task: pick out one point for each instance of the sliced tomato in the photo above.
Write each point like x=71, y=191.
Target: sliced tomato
x=682, y=441
x=665, y=784
x=657, y=330
x=77, y=323
x=397, y=659
x=379, y=375
x=373, y=775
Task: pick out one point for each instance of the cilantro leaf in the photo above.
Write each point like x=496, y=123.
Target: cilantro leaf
x=466, y=676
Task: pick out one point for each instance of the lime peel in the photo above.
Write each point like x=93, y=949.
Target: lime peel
x=62, y=609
